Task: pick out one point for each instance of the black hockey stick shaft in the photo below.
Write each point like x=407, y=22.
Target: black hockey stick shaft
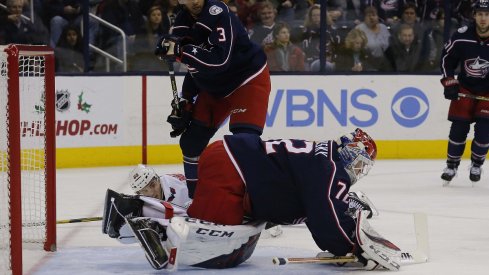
x=176, y=99
x=89, y=219
x=478, y=97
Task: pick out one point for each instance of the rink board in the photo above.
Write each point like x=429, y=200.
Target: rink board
x=102, y=123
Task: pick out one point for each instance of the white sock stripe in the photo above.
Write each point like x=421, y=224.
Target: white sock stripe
x=481, y=157
x=456, y=143
x=486, y=145
x=454, y=158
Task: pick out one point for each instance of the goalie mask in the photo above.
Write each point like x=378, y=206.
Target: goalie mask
x=141, y=176
x=357, y=151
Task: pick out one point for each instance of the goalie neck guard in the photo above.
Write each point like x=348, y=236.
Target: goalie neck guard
x=357, y=151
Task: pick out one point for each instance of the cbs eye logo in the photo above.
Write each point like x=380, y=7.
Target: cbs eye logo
x=410, y=107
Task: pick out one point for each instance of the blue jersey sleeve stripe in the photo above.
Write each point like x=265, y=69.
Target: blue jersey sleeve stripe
x=203, y=25
x=229, y=49
x=448, y=72
x=330, y=184
x=235, y=163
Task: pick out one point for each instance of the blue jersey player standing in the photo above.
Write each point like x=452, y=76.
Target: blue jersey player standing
x=469, y=49
x=227, y=74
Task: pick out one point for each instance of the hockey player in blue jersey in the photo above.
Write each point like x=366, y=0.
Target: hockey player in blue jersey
x=244, y=181
x=467, y=49
x=308, y=181
x=227, y=76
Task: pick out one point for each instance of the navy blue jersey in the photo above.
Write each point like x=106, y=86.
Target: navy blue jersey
x=467, y=49
x=293, y=181
x=221, y=57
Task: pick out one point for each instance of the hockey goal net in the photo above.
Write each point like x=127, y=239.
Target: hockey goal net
x=27, y=153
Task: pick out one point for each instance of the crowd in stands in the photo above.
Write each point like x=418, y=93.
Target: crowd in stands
x=361, y=36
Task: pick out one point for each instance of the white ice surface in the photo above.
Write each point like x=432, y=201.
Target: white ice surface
x=458, y=220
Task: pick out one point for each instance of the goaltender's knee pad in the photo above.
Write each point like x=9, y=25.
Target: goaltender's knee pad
x=205, y=244
x=195, y=139
x=459, y=131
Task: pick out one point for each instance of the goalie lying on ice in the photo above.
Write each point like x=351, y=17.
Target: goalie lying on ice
x=238, y=177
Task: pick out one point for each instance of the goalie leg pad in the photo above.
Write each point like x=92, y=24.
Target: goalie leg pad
x=204, y=244
x=117, y=207
x=150, y=234
x=374, y=246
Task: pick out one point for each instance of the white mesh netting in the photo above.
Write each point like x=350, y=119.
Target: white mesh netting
x=4, y=190
x=32, y=128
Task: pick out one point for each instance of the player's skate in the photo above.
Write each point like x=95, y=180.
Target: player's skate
x=475, y=173
x=150, y=234
x=117, y=207
x=448, y=174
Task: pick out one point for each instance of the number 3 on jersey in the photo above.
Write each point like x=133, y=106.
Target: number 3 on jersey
x=222, y=34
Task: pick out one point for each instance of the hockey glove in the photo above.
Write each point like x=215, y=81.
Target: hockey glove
x=180, y=117
x=169, y=47
x=355, y=203
x=451, y=86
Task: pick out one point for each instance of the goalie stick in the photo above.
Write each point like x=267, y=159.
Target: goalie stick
x=420, y=255
x=478, y=97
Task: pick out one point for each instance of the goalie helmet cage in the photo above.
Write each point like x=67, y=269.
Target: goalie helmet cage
x=27, y=153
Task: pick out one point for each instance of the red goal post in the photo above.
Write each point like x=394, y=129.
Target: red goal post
x=27, y=153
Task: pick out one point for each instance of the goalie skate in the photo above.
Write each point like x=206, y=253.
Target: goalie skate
x=150, y=234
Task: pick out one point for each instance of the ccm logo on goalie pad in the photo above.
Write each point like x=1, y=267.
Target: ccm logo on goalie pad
x=385, y=257
x=214, y=233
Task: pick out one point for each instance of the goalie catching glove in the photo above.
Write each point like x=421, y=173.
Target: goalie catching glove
x=358, y=201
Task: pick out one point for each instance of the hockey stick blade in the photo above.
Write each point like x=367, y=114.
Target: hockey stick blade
x=422, y=252
x=407, y=258
x=419, y=256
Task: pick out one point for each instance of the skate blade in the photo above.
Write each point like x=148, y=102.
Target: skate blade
x=445, y=183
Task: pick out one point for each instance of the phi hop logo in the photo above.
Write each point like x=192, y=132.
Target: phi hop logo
x=410, y=107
